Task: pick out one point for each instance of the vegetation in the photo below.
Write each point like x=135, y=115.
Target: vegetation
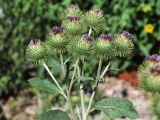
x=81, y=39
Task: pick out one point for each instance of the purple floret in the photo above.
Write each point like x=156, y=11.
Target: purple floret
x=57, y=30
x=97, y=12
x=73, y=18
x=155, y=69
x=32, y=42
x=106, y=37
x=127, y=35
x=86, y=37
x=155, y=58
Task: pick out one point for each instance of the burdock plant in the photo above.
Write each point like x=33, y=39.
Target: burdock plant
x=149, y=74
x=81, y=38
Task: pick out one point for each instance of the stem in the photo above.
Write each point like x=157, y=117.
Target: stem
x=78, y=113
x=73, y=75
x=93, y=93
x=62, y=64
x=105, y=70
x=70, y=88
x=55, y=81
x=81, y=92
x=82, y=100
x=90, y=31
x=70, y=107
x=99, y=68
x=90, y=103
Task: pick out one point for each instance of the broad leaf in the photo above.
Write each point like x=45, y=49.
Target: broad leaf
x=54, y=115
x=43, y=85
x=116, y=108
x=85, y=78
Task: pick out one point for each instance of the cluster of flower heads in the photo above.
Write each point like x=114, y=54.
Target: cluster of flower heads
x=76, y=37
x=149, y=73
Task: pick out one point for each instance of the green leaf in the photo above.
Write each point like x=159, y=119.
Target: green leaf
x=54, y=115
x=43, y=85
x=84, y=79
x=116, y=108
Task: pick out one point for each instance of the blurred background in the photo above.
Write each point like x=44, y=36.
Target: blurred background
x=20, y=20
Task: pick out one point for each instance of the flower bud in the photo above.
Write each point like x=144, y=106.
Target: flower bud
x=36, y=52
x=103, y=47
x=56, y=40
x=123, y=44
x=81, y=46
x=149, y=74
x=95, y=20
x=73, y=10
x=74, y=25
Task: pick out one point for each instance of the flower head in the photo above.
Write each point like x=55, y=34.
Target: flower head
x=149, y=28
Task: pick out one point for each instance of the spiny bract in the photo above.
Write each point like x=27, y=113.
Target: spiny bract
x=95, y=19
x=36, y=52
x=81, y=46
x=123, y=44
x=74, y=25
x=56, y=40
x=103, y=48
x=149, y=74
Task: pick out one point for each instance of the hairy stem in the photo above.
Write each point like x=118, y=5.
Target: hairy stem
x=82, y=100
x=70, y=88
x=105, y=70
x=81, y=91
x=71, y=108
x=89, y=105
x=90, y=31
x=62, y=64
x=99, y=68
x=73, y=75
x=94, y=91
x=55, y=81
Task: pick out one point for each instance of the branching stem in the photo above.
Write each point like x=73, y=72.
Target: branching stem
x=97, y=81
x=55, y=81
